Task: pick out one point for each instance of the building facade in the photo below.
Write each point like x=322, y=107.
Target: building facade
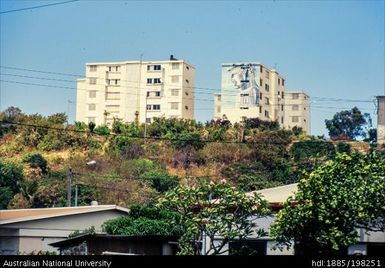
x=381, y=120
x=297, y=110
x=250, y=90
x=23, y=231
x=135, y=90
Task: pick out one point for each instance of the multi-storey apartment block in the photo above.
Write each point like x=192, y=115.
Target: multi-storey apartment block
x=250, y=90
x=381, y=120
x=297, y=110
x=136, y=90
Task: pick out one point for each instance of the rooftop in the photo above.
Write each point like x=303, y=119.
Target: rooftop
x=19, y=215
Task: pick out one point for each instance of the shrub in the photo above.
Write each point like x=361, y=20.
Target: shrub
x=160, y=180
x=312, y=148
x=134, y=168
x=10, y=176
x=225, y=152
x=36, y=160
x=102, y=130
x=342, y=147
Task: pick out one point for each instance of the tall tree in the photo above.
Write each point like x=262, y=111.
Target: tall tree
x=332, y=202
x=348, y=124
x=213, y=210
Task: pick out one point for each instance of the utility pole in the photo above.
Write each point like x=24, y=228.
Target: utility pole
x=69, y=178
x=76, y=195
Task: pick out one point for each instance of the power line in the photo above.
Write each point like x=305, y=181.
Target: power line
x=36, y=7
x=173, y=98
x=136, y=82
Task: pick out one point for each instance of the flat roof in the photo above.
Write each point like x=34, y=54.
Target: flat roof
x=138, y=61
x=20, y=215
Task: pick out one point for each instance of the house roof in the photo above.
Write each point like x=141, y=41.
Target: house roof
x=20, y=215
x=86, y=237
x=278, y=194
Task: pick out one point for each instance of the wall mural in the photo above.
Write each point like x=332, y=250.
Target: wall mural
x=244, y=79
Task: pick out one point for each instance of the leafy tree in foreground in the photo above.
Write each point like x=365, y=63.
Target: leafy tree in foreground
x=214, y=210
x=340, y=196
x=348, y=124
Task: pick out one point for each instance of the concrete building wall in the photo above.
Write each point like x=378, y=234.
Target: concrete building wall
x=297, y=110
x=36, y=235
x=264, y=101
x=136, y=90
x=381, y=119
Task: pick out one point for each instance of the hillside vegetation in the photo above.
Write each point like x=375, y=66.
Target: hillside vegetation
x=118, y=165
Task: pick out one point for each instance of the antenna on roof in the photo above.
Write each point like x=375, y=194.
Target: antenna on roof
x=172, y=57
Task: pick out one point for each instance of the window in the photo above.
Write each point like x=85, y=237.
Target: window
x=260, y=109
x=261, y=69
x=295, y=107
x=295, y=119
x=91, y=107
x=113, y=82
x=93, y=68
x=186, y=107
x=112, y=108
x=148, y=120
x=219, y=97
x=295, y=96
x=187, y=81
x=157, y=81
x=149, y=80
x=148, y=107
x=92, y=81
x=267, y=74
x=186, y=93
x=157, y=93
x=148, y=67
x=282, y=107
x=283, y=94
x=156, y=107
x=113, y=95
x=91, y=119
x=175, y=65
x=267, y=87
x=260, y=82
x=92, y=94
x=279, y=93
x=283, y=82
x=174, y=92
x=218, y=109
x=267, y=102
x=188, y=68
x=281, y=120
x=157, y=68
x=260, y=96
x=148, y=94
x=117, y=68
x=266, y=113
x=279, y=81
x=174, y=106
x=175, y=79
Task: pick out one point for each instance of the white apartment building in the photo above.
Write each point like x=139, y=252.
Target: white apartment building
x=250, y=90
x=297, y=110
x=135, y=90
x=381, y=120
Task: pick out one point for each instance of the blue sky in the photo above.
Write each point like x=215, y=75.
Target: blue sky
x=330, y=49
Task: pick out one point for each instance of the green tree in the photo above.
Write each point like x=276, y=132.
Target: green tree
x=143, y=220
x=214, y=210
x=348, y=124
x=338, y=197
x=11, y=175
